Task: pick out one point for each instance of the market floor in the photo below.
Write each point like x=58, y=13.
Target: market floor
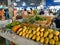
x=2, y=41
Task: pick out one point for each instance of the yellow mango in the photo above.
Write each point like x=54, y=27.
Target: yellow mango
x=41, y=34
x=34, y=32
x=20, y=33
x=56, y=33
x=19, y=30
x=37, y=38
x=50, y=35
x=56, y=38
x=34, y=37
x=42, y=39
x=27, y=35
x=51, y=41
x=38, y=33
x=46, y=40
x=30, y=36
x=38, y=28
x=42, y=29
x=46, y=34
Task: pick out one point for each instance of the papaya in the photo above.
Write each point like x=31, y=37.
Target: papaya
x=15, y=28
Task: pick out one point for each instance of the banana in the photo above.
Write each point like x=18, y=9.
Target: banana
x=34, y=32
x=30, y=36
x=38, y=28
x=27, y=35
x=46, y=40
x=50, y=35
x=19, y=30
x=38, y=33
x=42, y=29
x=20, y=33
x=42, y=39
x=38, y=38
x=34, y=37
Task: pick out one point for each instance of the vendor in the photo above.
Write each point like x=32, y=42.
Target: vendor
x=2, y=14
x=32, y=12
x=6, y=14
x=24, y=12
x=57, y=20
x=41, y=12
x=15, y=13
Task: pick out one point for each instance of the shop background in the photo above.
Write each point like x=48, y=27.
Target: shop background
x=52, y=3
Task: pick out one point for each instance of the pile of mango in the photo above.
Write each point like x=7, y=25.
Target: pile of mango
x=38, y=33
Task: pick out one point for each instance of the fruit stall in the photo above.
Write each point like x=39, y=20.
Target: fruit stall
x=31, y=32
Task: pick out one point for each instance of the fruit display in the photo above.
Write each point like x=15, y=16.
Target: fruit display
x=38, y=33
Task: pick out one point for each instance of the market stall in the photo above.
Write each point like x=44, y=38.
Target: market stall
x=31, y=32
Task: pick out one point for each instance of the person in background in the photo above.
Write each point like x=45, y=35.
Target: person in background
x=2, y=14
x=10, y=12
x=41, y=12
x=24, y=12
x=6, y=14
x=32, y=12
x=57, y=20
x=46, y=12
x=50, y=11
x=15, y=13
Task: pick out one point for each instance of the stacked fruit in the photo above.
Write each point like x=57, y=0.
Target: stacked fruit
x=38, y=34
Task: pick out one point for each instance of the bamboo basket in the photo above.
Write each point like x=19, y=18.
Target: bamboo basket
x=42, y=23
